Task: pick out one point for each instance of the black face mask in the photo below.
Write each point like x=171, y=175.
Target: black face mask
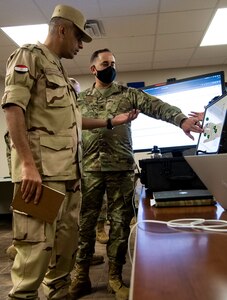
x=107, y=75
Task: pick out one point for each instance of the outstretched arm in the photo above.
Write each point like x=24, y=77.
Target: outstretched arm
x=120, y=119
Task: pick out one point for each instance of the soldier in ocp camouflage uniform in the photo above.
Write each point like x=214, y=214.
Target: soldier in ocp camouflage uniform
x=108, y=165
x=44, y=124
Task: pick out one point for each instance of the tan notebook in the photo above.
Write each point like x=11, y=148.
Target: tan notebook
x=47, y=208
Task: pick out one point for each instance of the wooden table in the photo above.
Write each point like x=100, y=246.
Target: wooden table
x=178, y=264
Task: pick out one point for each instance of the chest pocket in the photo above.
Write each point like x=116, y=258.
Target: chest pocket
x=57, y=92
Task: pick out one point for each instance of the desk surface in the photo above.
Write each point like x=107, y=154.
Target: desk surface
x=178, y=264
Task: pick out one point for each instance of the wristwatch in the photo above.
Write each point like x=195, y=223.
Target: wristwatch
x=109, y=124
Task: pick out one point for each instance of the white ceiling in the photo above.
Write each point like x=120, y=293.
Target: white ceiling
x=143, y=34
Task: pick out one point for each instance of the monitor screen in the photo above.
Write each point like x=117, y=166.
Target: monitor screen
x=214, y=125
x=189, y=94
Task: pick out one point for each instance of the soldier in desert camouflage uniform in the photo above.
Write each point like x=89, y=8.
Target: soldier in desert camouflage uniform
x=45, y=124
x=108, y=165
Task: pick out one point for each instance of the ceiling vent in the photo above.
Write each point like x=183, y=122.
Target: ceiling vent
x=95, y=28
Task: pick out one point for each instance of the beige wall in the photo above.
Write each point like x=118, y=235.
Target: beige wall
x=149, y=77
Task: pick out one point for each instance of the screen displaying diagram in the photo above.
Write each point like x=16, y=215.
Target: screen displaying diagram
x=213, y=124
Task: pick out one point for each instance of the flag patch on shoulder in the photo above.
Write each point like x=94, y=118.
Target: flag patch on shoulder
x=21, y=68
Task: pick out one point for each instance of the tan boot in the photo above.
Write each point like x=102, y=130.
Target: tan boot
x=115, y=283
x=81, y=284
x=11, y=252
x=97, y=260
x=101, y=235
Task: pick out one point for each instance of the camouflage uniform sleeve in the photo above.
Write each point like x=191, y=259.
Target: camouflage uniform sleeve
x=156, y=108
x=20, y=74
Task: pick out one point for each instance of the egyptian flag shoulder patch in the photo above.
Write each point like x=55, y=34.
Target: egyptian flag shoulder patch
x=21, y=68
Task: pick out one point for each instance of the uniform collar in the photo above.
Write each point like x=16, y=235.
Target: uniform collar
x=114, y=88
x=50, y=55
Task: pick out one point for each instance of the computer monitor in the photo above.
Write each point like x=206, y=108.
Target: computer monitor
x=189, y=94
x=214, y=138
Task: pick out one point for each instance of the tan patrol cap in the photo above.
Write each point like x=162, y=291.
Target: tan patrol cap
x=73, y=15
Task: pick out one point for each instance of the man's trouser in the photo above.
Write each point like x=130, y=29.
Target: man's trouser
x=103, y=212
x=119, y=187
x=46, y=252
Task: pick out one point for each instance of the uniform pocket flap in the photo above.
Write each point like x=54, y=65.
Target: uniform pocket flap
x=56, y=142
x=55, y=78
x=57, y=91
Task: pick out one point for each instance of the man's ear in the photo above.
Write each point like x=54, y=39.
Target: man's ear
x=93, y=69
x=61, y=31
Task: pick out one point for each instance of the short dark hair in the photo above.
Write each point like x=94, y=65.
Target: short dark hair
x=96, y=54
